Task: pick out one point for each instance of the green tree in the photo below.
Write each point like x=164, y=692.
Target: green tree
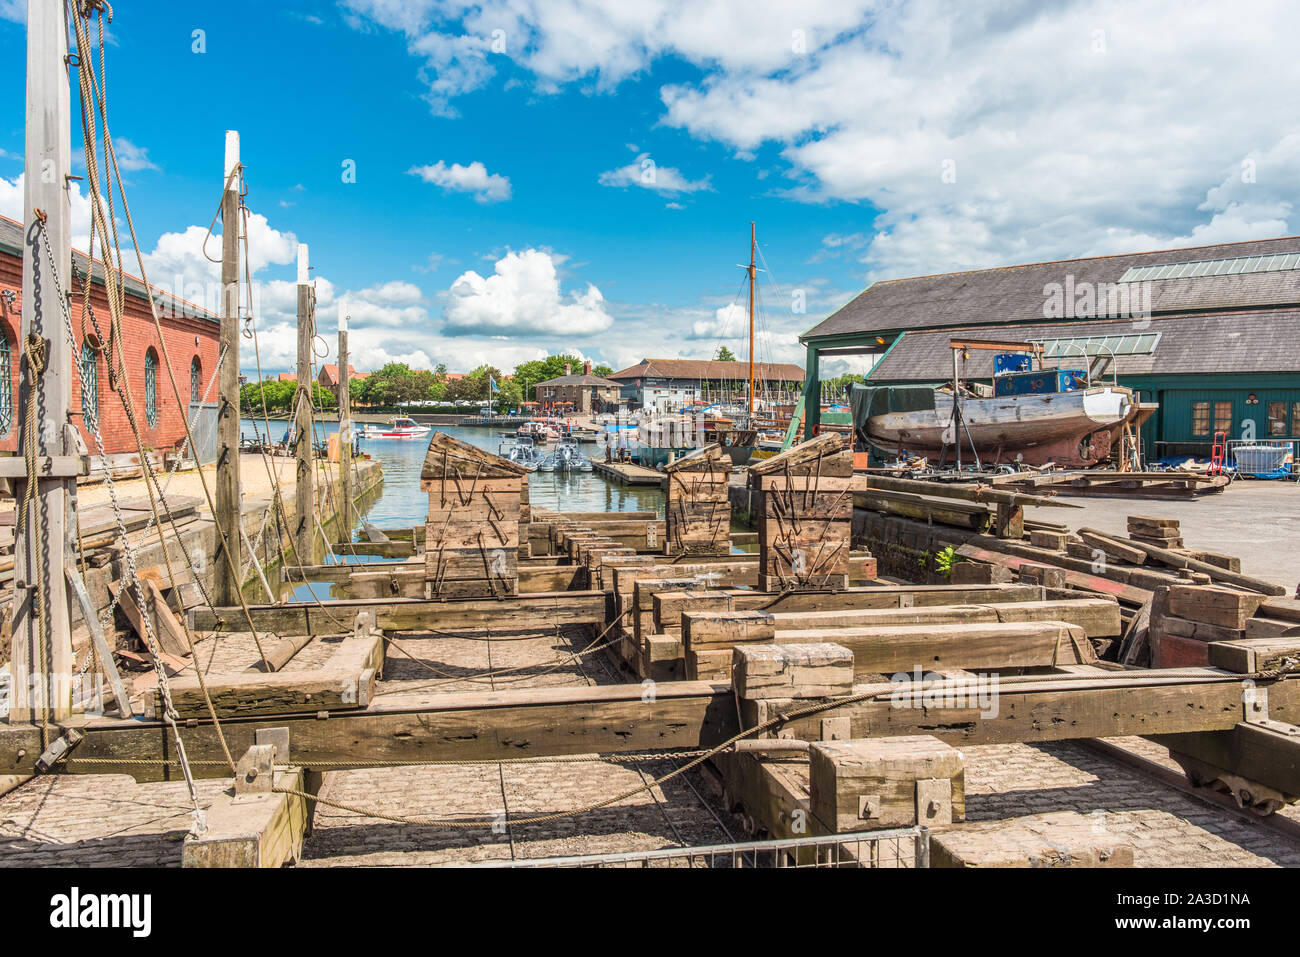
x=724, y=355
x=602, y=370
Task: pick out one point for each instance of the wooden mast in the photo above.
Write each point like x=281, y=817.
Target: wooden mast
x=42, y=663
x=345, y=428
x=228, y=514
x=304, y=488
x=751, y=325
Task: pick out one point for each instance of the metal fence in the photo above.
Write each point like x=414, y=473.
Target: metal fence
x=903, y=847
x=1264, y=458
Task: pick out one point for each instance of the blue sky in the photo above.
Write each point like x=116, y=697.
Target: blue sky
x=503, y=205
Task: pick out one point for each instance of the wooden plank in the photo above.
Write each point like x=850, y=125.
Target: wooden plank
x=168, y=631
x=520, y=613
x=1265, y=752
x=893, y=649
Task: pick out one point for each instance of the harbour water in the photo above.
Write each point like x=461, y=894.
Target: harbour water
x=402, y=504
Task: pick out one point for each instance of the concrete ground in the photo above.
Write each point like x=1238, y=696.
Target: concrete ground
x=1257, y=521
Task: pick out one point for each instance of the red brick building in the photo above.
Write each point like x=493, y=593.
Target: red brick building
x=192, y=342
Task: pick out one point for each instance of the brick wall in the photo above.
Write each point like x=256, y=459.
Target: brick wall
x=139, y=336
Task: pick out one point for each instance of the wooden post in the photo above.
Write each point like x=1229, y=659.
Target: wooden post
x=39, y=552
x=228, y=506
x=345, y=430
x=304, y=492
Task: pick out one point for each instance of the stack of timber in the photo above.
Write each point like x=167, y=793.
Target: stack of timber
x=698, y=512
x=471, y=539
x=805, y=515
x=1197, y=625
x=1162, y=532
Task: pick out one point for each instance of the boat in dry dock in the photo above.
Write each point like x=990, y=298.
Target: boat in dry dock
x=1034, y=416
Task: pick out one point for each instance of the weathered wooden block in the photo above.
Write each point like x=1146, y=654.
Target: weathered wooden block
x=1213, y=604
x=1053, y=540
x=712, y=664
x=1058, y=839
x=979, y=573
x=818, y=670
x=702, y=629
x=875, y=783
x=662, y=658
x=1037, y=573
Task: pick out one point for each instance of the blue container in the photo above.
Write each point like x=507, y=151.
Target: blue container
x=1005, y=362
x=1042, y=382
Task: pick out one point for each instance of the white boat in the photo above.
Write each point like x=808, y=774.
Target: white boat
x=398, y=427
x=567, y=457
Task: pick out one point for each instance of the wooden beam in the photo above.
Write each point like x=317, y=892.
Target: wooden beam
x=892, y=649
x=669, y=606
x=346, y=681
x=252, y=830
x=682, y=715
x=519, y=613
x=1055, y=709
x=1176, y=560
x=484, y=725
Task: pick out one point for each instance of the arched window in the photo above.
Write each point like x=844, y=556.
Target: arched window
x=6, y=386
x=196, y=374
x=151, y=388
x=89, y=387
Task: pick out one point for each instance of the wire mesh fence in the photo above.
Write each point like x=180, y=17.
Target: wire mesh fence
x=902, y=847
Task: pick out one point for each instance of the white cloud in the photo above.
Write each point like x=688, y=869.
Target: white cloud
x=644, y=172
x=131, y=157
x=728, y=322
x=521, y=296
x=15, y=10
x=474, y=179
x=971, y=134
x=565, y=40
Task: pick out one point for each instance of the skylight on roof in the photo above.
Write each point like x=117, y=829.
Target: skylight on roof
x=1279, y=262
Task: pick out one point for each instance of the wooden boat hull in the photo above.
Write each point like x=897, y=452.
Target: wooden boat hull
x=1071, y=429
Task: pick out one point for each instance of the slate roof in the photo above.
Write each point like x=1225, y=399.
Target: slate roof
x=699, y=369
x=587, y=379
x=11, y=240
x=1011, y=294
x=1260, y=341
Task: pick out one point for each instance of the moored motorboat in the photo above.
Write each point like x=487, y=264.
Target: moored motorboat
x=398, y=427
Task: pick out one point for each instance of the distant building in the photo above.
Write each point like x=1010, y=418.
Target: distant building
x=329, y=376
x=588, y=393
x=191, y=334
x=673, y=383
x=1211, y=333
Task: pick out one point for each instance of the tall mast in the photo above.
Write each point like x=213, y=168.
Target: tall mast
x=42, y=664
x=751, y=325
